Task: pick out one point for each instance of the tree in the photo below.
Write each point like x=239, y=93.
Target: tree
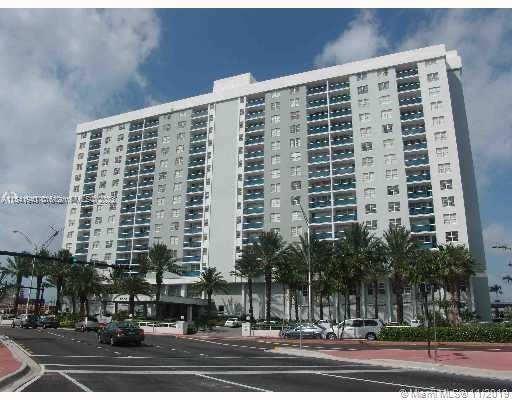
x=84, y=283
x=159, y=259
x=268, y=248
x=133, y=283
x=57, y=272
x=41, y=268
x=210, y=282
x=5, y=283
x=248, y=266
x=342, y=274
x=376, y=269
x=18, y=267
x=400, y=250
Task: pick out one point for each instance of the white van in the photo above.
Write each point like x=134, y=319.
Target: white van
x=356, y=328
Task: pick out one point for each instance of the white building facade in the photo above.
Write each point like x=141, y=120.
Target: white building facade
x=381, y=141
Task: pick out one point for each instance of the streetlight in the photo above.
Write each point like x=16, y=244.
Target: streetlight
x=33, y=266
x=296, y=199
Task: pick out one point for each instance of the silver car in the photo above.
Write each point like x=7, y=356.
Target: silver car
x=306, y=331
x=87, y=324
x=356, y=328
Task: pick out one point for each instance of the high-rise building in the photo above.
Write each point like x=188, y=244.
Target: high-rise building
x=382, y=141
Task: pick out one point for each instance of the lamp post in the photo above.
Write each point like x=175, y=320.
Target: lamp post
x=306, y=219
x=33, y=266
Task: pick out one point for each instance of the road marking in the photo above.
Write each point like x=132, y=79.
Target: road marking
x=116, y=352
x=59, y=356
x=374, y=381
x=292, y=367
x=233, y=383
x=80, y=385
x=234, y=345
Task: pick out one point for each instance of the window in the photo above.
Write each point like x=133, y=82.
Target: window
x=388, y=143
x=437, y=121
x=295, y=200
x=446, y=184
x=386, y=114
x=178, y=161
x=80, y=156
x=275, y=159
x=180, y=148
x=389, y=159
x=276, y=94
x=393, y=206
x=111, y=219
x=383, y=86
x=294, y=90
x=434, y=92
x=160, y=201
x=164, y=150
x=70, y=234
x=369, y=193
x=366, y=146
x=99, y=208
x=448, y=201
x=275, y=188
x=368, y=161
x=173, y=240
x=294, y=115
x=296, y=185
x=294, y=129
x=445, y=168
x=275, y=132
x=275, y=217
x=276, y=145
x=440, y=136
x=370, y=208
x=395, y=222
x=368, y=176
x=275, y=203
x=296, y=216
x=442, y=151
x=364, y=117
x=436, y=106
x=296, y=231
x=363, y=103
x=73, y=211
x=387, y=128
x=393, y=190
x=385, y=100
x=103, y=173
x=97, y=232
x=433, y=76
x=176, y=187
x=76, y=189
x=362, y=89
x=175, y=212
x=296, y=156
x=71, y=223
x=120, y=137
x=366, y=133
x=181, y=135
x=275, y=106
x=429, y=63
x=97, y=220
x=69, y=246
x=176, y=199
x=296, y=171
x=159, y=214
x=361, y=76
x=450, y=219
x=182, y=124
x=452, y=236
x=382, y=72
x=110, y=231
x=294, y=143
x=175, y=226
x=371, y=225
x=276, y=173
x=294, y=102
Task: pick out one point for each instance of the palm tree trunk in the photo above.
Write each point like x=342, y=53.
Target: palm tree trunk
x=209, y=302
x=157, y=302
x=296, y=298
x=39, y=283
x=19, y=280
x=290, y=305
x=284, y=303
x=424, y=300
x=321, y=305
x=375, y=299
x=73, y=304
x=358, y=301
x=251, y=310
x=400, y=307
x=131, y=307
x=268, y=293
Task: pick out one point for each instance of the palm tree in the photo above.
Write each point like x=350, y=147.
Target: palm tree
x=248, y=266
x=376, y=269
x=41, y=267
x=342, y=274
x=5, y=283
x=495, y=289
x=507, y=278
x=85, y=282
x=210, y=282
x=268, y=248
x=457, y=265
x=18, y=267
x=57, y=273
x=400, y=251
x=159, y=259
x=133, y=283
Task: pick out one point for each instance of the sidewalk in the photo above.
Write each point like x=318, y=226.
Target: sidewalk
x=8, y=364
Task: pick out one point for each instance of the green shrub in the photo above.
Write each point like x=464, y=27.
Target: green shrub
x=464, y=333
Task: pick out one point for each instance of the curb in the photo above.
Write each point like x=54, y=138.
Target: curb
x=439, y=368
x=28, y=371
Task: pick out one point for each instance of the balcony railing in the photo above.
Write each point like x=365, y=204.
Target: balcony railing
x=317, y=116
x=415, y=146
x=319, y=204
x=254, y=167
x=343, y=186
x=316, y=144
x=343, y=155
x=253, y=182
x=411, y=115
x=345, y=217
x=407, y=72
x=319, y=158
x=254, y=140
x=253, y=210
x=198, y=137
x=253, y=225
x=339, y=99
x=343, y=171
x=254, y=196
x=418, y=178
x=339, y=85
x=343, y=112
x=410, y=100
x=193, y=216
x=322, y=235
x=403, y=87
x=341, y=126
x=254, y=127
x=416, y=161
x=197, y=149
x=321, y=219
x=316, y=103
x=342, y=141
x=136, y=126
x=195, y=189
x=421, y=210
x=319, y=173
x=255, y=102
x=253, y=154
x=254, y=115
x=345, y=201
x=316, y=89
x=317, y=129
x=319, y=188
x=417, y=228
x=413, y=130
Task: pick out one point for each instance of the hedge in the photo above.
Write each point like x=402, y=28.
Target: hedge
x=464, y=333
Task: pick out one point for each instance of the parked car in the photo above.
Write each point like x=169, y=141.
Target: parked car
x=48, y=321
x=416, y=323
x=307, y=331
x=123, y=332
x=356, y=328
x=25, y=321
x=233, y=323
x=87, y=324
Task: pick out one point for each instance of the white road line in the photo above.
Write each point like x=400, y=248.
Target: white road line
x=378, y=382
x=80, y=385
x=233, y=383
x=31, y=381
x=291, y=367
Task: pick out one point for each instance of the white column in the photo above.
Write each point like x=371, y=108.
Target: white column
x=183, y=291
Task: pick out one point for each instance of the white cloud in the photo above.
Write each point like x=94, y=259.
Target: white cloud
x=362, y=39
x=58, y=68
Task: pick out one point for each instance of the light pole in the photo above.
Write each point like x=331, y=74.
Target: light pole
x=33, y=266
x=306, y=219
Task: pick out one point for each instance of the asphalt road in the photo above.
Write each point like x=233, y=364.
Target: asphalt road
x=74, y=361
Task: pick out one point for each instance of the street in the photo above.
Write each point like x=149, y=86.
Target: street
x=74, y=361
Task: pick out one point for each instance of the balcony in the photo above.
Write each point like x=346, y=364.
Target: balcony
x=197, y=149
x=255, y=102
x=198, y=137
x=253, y=196
x=187, y=259
x=131, y=172
x=319, y=173
x=312, y=130
x=341, y=126
x=134, y=138
x=319, y=158
x=84, y=226
x=254, y=167
x=317, y=116
x=195, y=176
x=413, y=130
x=418, y=194
x=191, y=244
x=146, y=182
x=149, y=146
x=125, y=222
x=250, y=240
x=199, y=113
x=82, y=238
x=130, y=185
x=94, y=146
x=416, y=161
x=345, y=217
x=319, y=188
x=253, y=210
x=343, y=171
x=339, y=99
x=410, y=101
x=342, y=112
x=407, y=116
x=319, y=204
x=92, y=167
x=134, y=126
x=316, y=90
x=322, y=235
x=255, y=127
x=191, y=216
x=196, y=161
x=148, y=158
x=147, y=170
x=142, y=221
x=253, y=154
x=316, y=103
x=317, y=144
x=345, y=201
x=132, y=161
x=254, y=182
x=96, y=134
x=145, y=208
x=129, y=197
x=198, y=125
x=253, y=225
x=413, y=146
x=344, y=186
x=195, y=189
x=343, y=155
x=193, y=230
x=339, y=85
x=404, y=87
x=145, y=195
x=418, y=177
x=140, y=234
x=150, y=135
x=417, y=228
x=254, y=140
x=90, y=180
x=255, y=115
x=194, y=202
x=406, y=72
x=93, y=157
x=423, y=210
x=127, y=210
x=342, y=141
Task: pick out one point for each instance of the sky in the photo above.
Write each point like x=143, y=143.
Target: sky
x=95, y=63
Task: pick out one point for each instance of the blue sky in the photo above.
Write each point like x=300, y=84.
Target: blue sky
x=114, y=61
